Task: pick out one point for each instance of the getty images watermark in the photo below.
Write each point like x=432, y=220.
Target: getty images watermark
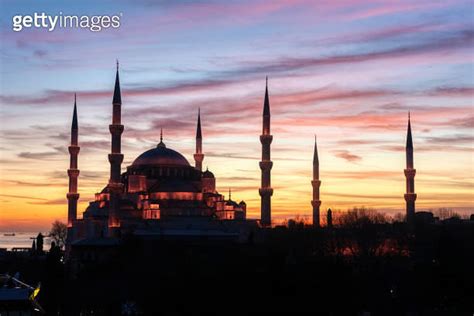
x=94, y=23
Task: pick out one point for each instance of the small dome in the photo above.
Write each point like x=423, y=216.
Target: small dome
x=207, y=174
x=231, y=203
x=161, y=156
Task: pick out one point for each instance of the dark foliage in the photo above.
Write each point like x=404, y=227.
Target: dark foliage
x=370, y=266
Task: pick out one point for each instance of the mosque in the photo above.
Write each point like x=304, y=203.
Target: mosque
x=162, y=195
x=159, y=194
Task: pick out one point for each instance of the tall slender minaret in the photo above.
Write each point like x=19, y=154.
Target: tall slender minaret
x=115, y=158
x=266, y=164
x=316, y=183
x=73, y=172
x=199, y=156
x=410, y=172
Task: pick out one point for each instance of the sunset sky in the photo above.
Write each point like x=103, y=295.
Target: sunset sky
x=348, y=72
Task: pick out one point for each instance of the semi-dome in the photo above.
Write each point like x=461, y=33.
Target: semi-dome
x=207, y=174
x=161, y=156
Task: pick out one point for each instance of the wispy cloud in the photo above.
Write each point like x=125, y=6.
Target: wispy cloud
x=453, y=91
x=455, y=40
x=366, y=174
x=23, y=197
x=452, y=139
x=348, y=156
x=50, y=202
x=39, y=155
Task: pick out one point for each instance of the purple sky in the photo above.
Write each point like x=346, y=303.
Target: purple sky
x=348, y=72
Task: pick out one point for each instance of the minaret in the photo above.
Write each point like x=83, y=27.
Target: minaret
x=115, y=158
x=410, y=172
x=316, y=183
x=199, y=156
x=266, y=164
x=73, y=172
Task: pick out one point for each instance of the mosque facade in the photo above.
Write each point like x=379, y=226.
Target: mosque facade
x=160, y=193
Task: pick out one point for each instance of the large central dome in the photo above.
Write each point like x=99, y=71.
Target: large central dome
x=161, y=156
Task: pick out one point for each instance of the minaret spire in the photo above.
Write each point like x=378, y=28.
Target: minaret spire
x=316, y=183
x=161, y=144
x=199, y=156
x=198, y=129
x=266, y=102
x=409, y=137
x=74, y=125
x=315, y=155
x=73, y=171
x=117, y=99
x=115, y=158
x=410, y=172
x=266, y=164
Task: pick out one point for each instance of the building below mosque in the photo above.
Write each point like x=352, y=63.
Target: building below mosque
x=160, y=195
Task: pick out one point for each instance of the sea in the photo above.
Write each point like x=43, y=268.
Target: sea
x=22, y=239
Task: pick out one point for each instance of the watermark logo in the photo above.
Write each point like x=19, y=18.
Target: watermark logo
x=94, y=23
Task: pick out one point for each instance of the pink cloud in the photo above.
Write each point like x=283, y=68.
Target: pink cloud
x=376, y=9
x=346, y=155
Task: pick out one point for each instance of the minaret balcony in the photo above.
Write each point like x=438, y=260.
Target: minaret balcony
x=410, y=173
x=74, y=150
x=115, y=158
x=72, y=196
x=73, y=173
x=265, y=191
x=316, y=183
x=266, y=165
x=316, y=203
x=410, y=197
x=116, y=129
x=266, y=139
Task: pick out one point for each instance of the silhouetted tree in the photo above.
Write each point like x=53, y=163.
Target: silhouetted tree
x=299, y=222
x=361, y=230
x=359, y=217
x=445, y=213
x=399, y=218
x=58, y=233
